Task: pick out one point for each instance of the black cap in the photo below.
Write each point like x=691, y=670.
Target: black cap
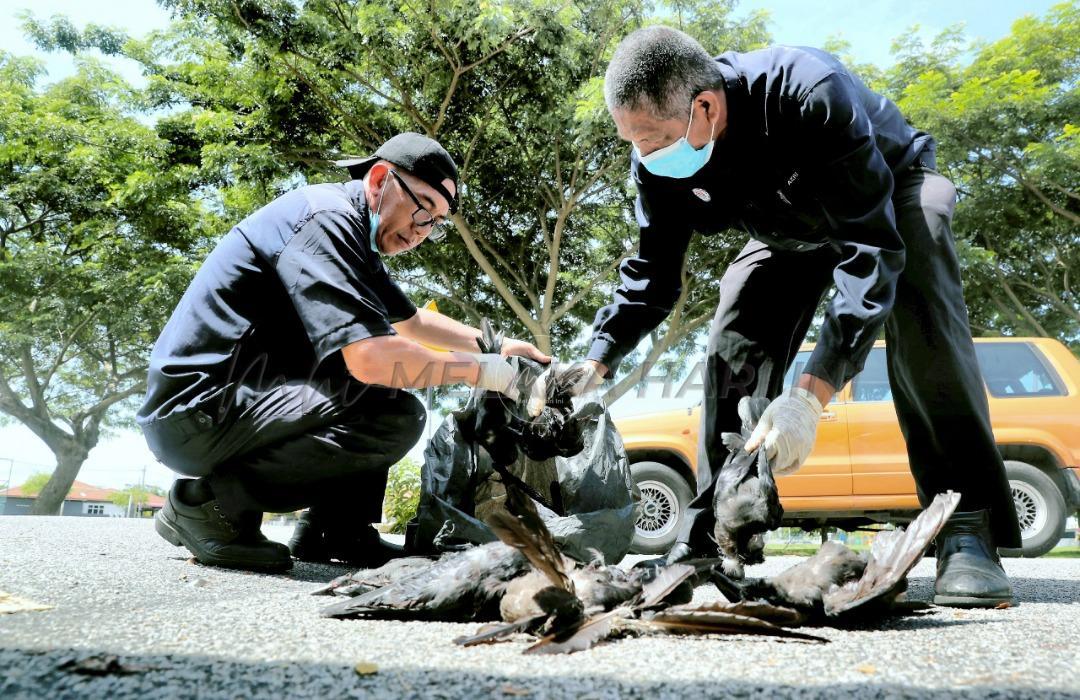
x=416, y=153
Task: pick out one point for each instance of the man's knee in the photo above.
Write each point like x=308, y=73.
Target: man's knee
x=403, y=416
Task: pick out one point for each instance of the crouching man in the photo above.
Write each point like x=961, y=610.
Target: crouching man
x=276, y=384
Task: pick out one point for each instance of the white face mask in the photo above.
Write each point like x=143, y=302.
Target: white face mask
x=678, y=159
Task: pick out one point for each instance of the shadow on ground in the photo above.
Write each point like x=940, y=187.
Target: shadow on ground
x=35, y=674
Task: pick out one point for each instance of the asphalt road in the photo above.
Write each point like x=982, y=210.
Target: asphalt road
x=183, y=630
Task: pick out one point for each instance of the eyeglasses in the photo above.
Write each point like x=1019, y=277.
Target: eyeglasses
x=421, y=217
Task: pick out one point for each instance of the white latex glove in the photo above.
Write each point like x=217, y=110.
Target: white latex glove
x=579, y=378
x=496, y=374
x=787, y=430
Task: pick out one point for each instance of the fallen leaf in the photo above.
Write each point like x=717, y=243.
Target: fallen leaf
x=868, y=669
x=14, y=604
x=514, y=690
x=363, y=668
x=1002, y=606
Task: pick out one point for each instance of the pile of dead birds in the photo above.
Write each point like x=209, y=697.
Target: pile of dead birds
x=524, y=585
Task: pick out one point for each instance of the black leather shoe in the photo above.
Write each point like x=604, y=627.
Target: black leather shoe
x=321, y=539
x=969, y=573
x=217, y=539
x=306, y=543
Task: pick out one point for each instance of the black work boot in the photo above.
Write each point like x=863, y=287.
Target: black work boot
x=217, y=539
x=318, y=538
x=969, y=573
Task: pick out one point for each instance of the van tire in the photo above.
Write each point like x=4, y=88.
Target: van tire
x=664, y=498
x=1040, y=509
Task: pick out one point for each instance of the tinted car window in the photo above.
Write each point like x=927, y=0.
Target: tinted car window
x=796, y=368
x=1016, y=369
x=872, y=384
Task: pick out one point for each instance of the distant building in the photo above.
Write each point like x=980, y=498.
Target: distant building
x=82, y=500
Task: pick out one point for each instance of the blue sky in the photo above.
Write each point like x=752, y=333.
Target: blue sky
x=869, y=25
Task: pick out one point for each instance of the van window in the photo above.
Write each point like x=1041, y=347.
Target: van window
x=1014, y=369
x=796, y=368
x=872, y=383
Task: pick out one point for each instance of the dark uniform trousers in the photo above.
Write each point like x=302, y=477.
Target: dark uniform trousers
x=767, y=301
x=297, y=444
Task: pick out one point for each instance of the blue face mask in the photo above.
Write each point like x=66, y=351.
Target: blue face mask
x=373, y=222
x=679, y=159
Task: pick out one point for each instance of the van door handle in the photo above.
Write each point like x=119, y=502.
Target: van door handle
x=828, y=416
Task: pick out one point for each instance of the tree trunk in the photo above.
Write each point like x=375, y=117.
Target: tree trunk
x=68, y=462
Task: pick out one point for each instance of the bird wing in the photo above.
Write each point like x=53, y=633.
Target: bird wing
x=579, y=637
x=892, y=556
x=667, y=580
x=711, y=619
x=524, y=530
x=489, y=634
x=563, y=379
x=455, y=586
x=734, y=470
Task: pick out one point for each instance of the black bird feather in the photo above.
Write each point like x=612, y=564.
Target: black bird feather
x=746, y=503
x=835, y=581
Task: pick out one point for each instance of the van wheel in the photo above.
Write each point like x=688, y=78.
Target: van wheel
x=664, y=498
x=1040, y=509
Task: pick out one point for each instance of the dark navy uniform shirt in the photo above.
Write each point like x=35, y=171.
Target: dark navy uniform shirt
x=284, y=290
x=807, y=160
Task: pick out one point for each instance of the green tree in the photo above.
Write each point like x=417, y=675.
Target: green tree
x=136, y=495
x=96, y=238
x=263, y=93
x=35, y=483
x=1006, y=124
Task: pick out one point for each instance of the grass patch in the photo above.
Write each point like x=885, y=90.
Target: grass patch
x=1064, y=553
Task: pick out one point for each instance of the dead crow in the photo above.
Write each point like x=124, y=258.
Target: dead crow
x=458, y=586
x=836, y=580
x=746, y=503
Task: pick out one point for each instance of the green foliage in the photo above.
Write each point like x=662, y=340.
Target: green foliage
x=136, y=495
x=1006, y=126
x=263, y=93
x=33, y=485
x=402, y=494
x=97, y=234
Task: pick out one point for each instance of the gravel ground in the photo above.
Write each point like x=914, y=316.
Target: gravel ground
x=193, y=631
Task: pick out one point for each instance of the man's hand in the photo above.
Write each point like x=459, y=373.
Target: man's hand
x=496, y=374
x=787, y=430
x=512, y=346
x=577, y=379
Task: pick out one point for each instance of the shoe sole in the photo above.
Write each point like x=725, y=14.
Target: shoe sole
x=175, y=536
x=963, y=601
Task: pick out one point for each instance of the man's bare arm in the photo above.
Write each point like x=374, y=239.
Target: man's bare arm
x=438, y=330
x=400, y=363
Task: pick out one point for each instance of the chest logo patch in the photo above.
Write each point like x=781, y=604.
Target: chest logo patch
x=702, y=194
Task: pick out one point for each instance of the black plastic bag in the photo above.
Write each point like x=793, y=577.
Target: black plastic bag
x=587, y=499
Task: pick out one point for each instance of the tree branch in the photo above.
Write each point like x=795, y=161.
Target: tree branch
x=466, y=233
x=591, y=284
x=100, y=407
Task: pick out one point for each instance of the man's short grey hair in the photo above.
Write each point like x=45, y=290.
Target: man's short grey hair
x=659, y=69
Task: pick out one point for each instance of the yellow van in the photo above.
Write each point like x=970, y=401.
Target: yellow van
x=858, y=471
